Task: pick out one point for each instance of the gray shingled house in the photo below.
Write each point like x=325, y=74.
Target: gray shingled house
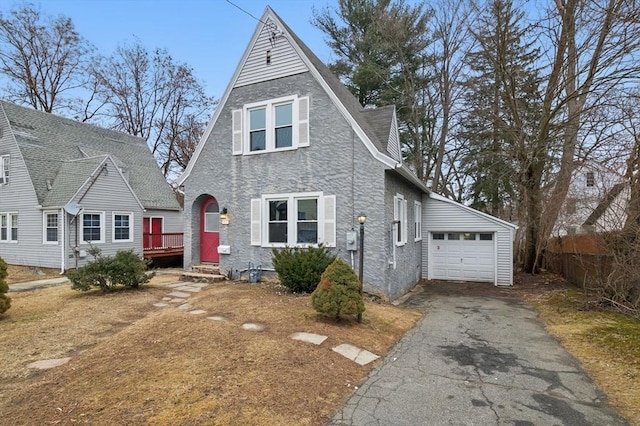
x=66, y=186
x=290, y=158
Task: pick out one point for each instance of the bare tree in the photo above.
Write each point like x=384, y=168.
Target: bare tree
x=449, y=49
x=593, y=51
x=151, y=96
x=43, y=59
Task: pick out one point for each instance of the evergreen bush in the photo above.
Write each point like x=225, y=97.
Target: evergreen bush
x=125, y=269
x=5, y=301
x=338, y=292
x=299, y=269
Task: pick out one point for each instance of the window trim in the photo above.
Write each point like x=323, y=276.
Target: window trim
x=103, y=226
x=113, y=226
x=417, y=221
x=400, y=217
x=45, y=227
x=270, y=123
x=10, y=225
x=292, y=218
x=5, y=170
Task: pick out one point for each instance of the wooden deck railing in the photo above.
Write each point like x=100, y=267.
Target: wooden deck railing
x=164, y=244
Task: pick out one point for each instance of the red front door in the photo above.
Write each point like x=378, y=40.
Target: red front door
x=209, y=231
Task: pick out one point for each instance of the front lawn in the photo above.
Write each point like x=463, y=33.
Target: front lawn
x=133, y=363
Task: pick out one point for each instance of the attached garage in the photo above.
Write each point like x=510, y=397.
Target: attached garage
x=463, y=244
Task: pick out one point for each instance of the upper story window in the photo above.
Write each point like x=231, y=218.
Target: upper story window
x=4, y=169
x=591, y=179
x=275, y=125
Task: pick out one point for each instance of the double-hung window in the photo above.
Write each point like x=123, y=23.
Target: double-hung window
x=122, y=227
x=8, y=227
x=50, y=227
x=417, y=221
x=275, y=125
x=4, y=169
x=93, y=227
x=400, y=219
x=296, y=220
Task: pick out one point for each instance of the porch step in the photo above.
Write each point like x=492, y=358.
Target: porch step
x=206, y=268
x=201, y=277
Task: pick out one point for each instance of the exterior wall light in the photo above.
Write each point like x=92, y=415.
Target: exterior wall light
x=224, y=216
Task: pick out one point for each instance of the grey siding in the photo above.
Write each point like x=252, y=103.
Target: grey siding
x=284, y=59
x=108, y=193
x=19, y=197
x=173, y=221
x=336, y=163
x=448, y=216
x=408, y=257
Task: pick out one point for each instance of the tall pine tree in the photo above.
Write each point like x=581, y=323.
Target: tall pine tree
x=502, y=101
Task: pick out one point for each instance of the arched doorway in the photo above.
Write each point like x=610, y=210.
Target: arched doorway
x=209, y=230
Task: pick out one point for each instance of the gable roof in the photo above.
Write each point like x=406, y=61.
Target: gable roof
x=48, y=143
x=342, y=98
x=382, y=120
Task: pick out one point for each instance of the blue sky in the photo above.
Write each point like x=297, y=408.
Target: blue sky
x=209, y=35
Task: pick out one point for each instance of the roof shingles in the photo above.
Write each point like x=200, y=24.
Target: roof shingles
x=49, y=142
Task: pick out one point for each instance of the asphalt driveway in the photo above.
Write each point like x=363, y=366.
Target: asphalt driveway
x=476, y=358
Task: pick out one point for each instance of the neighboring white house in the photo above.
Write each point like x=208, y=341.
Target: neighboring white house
x=67, y=186
x=594, y=202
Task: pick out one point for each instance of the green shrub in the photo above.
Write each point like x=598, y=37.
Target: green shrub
x=5, y=301
x=300, y=269
x=338, y=292
x=125, y=269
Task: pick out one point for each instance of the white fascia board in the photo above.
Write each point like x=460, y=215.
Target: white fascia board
x=474, y=211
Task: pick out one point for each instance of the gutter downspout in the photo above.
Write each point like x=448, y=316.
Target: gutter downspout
x=63, y=245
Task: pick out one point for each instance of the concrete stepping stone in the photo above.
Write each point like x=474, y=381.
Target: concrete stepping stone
x=166, y=298
x=160, y=305
x=201, y=285
x=192, y=289
x=179, y=294
x=185, y=306
x=250, y=326
x=197, y=312
x=217, y=318
x=354, y=353
x=45, y=364
x=316, y=339
x=177, y=300
x=173, y=285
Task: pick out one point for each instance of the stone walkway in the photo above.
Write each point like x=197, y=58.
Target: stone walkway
x=178, y=296
x=181, y=291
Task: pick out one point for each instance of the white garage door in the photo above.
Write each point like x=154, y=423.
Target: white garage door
x=464, y=256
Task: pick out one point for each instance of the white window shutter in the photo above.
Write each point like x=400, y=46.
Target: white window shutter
x=329, y=220
x=405, y=225
x=303, y=121
x=256, y=222
x=236, y=118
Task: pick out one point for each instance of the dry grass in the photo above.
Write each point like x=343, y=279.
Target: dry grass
x=133, y=363
x=19, y=274
x=606, y=343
